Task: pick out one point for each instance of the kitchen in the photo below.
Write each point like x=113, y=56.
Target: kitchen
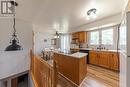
x=62, y=44
x=100, y=46
x=102, y=49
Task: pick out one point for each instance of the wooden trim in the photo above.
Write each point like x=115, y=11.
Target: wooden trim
x=33, y=78
x=43, y=74
x=14, y=82
x=68, y=79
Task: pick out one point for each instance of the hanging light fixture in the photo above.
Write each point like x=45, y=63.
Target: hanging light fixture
x=14, y=41
x=91, y=13
x=57, y=35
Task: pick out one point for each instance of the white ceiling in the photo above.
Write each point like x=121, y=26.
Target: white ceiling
x=65, y=13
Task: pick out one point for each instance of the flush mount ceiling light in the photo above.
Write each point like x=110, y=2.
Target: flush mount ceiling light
x=91, y=13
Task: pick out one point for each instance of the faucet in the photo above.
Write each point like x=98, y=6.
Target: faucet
x=100, y=47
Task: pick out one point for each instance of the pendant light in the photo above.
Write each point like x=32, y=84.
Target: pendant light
x=57, y=35
x=14, y=41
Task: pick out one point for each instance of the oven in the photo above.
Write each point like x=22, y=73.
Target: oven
x=85, y=51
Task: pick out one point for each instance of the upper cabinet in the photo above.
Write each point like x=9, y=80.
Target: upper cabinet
x=75, y=35
x=80, y=37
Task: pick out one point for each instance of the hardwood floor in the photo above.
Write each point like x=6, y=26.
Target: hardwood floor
x=96, y=77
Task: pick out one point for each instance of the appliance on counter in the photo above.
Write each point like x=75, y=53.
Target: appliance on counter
x=85, y=51
x=124, y=46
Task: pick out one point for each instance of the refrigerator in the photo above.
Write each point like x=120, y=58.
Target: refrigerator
x=124, y=46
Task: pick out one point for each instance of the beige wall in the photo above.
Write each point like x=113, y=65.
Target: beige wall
x=40, y=34
x=24, y=33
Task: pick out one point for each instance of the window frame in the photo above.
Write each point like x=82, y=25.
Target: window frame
x=100, y=36
x=112, y=36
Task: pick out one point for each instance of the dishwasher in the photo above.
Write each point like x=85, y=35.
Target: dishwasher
x=85, y=51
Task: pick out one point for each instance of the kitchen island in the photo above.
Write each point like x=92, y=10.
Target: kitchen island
x=72, y=66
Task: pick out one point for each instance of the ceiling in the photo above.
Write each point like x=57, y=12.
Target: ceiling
x=65, y=14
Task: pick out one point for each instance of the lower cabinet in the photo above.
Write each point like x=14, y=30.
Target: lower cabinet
x=93, y=58
x=105, y=59
x=114, y=61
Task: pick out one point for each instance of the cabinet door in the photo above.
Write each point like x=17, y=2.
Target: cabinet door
x=82, y=37
x=114, y=61
x=104, y=59
x=75, y=35
x=93, y=58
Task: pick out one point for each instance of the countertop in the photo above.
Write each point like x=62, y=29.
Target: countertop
x=94, y=49
x=75, y=55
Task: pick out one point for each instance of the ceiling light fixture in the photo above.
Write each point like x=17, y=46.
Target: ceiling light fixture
x=57, y=35
x=91, y=13
x=14, y=40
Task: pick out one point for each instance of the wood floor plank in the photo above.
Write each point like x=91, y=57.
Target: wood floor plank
x=96, y=77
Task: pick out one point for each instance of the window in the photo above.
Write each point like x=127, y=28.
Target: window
x=102, y=36
x=107, y=37
x=65, y=42
x=94, y=38
x=123, y=35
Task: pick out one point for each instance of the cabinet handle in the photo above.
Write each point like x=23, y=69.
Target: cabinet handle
x=112, y=55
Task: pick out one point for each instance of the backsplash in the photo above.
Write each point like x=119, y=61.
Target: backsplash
x=85, y=45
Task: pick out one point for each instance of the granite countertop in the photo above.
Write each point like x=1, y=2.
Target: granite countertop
x=94, y=49
x=75, y=55
x=79, y=55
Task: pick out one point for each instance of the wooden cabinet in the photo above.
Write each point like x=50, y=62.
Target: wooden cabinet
x=81, y=37
x=75, y=35
x=114, y=58
x=74, y=50
x=93, y=57
x=71, y=67
x=104, y=59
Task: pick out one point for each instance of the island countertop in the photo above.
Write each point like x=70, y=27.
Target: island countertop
x=75, y=55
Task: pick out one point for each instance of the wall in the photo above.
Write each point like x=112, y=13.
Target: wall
x=30, y=81
x=1, y=84
x=39, y=43
x=40, y=35
x=12, y=63
x=24, y=32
